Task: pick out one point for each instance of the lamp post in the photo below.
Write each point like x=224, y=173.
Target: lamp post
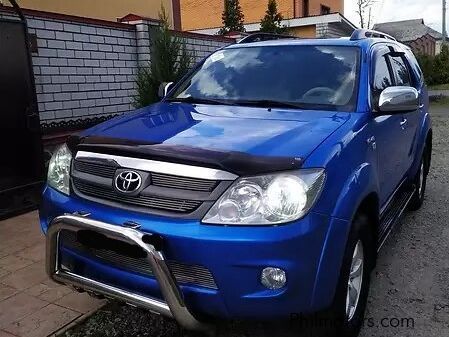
x=444, y=31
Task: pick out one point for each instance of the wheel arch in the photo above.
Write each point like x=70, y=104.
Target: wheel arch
x=335, y=245
x=368, y=203
x=370, y=207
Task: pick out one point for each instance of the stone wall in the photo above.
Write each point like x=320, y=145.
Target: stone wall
x=86, y=68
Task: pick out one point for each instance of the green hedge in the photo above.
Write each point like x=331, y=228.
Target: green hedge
x=435, y=68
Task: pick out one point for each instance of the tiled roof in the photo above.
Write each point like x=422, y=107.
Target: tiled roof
x=408, y=30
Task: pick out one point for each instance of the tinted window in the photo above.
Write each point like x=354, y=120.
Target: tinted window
x=382, y=78
x=400, y=71
x=312, y=77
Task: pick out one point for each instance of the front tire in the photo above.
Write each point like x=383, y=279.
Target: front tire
x=420, y=181
x=348, y=309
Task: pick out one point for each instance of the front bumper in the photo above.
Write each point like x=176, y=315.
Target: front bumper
x=309, y=250
x=173, y=306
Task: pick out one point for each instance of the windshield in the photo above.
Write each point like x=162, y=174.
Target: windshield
x=309, y=77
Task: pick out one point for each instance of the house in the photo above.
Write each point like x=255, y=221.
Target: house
x=303, y=18
x=414, y=33
x=109, y=10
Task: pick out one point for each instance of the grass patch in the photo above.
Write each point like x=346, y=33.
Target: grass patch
x=439, y=87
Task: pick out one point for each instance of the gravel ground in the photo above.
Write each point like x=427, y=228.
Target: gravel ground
x=410, y=286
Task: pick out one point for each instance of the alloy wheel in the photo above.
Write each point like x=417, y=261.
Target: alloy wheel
x=421, y=179
x=355, y=281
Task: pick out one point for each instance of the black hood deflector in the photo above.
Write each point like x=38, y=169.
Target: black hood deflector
x=239, y=163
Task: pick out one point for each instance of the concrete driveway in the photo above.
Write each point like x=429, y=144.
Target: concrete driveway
x=31, y=304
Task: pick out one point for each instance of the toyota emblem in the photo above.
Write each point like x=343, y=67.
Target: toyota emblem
x=128, y=181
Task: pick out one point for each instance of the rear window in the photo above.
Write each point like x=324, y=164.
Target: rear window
x=311, y=77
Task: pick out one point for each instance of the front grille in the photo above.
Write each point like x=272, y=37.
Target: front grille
x=166, y=204
x=183, y=273
x=96, y=169
x=158, y=179
x=166, y=180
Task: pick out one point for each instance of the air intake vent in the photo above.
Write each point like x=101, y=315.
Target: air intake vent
x=183, y=273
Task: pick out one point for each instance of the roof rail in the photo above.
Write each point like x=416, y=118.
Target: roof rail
x=256, y=37
x=360, y=34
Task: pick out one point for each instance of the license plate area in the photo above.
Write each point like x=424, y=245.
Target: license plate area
x=93, y=241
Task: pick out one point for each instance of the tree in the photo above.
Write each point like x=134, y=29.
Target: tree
x=364, y=8
x=170, y=61
x=441, y=66
x=232, y=17
x=271, y=22
x=435, y=68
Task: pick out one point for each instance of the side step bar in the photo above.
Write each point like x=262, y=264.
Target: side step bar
x=173, y=306
x=393, y=212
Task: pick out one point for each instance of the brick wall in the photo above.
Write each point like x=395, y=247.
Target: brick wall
x=202, y=45
x=82, y=70
x=86, y=69
x=332, y=30
x=424, y=45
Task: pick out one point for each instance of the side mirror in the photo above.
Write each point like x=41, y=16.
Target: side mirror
x=398, y=99
x=164, y=88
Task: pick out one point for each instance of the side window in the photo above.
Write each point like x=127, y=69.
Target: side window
x=382, y=77
x=400, y=71
x=417, y=74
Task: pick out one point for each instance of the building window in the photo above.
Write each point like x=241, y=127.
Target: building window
x=305, y=8
x=325, y=10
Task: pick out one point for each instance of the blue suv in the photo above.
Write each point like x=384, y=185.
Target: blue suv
x=261, y=187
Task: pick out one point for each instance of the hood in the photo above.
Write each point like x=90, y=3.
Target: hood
x=257, y=132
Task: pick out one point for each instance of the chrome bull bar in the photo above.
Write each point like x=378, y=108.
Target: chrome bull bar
x=173, y=306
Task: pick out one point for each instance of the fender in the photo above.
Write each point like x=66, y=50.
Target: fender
x=424, y=128
x=361, y=183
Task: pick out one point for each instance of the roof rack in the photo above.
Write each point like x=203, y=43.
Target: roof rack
x=360, y=34
x=256, y=37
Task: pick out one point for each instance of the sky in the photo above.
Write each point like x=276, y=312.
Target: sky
x=396, y=10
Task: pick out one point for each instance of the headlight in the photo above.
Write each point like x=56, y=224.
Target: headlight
x=268, y=199
x=59, y=169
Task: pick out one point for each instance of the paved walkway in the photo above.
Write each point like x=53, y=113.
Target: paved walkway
x=31, y=304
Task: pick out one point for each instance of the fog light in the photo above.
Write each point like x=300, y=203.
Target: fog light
x=273, y=278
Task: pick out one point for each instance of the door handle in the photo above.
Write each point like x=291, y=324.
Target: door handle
x=403, y=122
x=371, y=141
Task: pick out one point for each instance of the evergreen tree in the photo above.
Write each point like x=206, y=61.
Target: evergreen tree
x=232, y=17
x=170, y=61
x=441, y=66
x=271, y=22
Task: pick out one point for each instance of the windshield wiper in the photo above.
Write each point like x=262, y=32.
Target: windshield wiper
x=198, y=100
x=266, y=103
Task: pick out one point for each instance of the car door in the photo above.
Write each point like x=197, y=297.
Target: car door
x=388, y=129
x=409, y=120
